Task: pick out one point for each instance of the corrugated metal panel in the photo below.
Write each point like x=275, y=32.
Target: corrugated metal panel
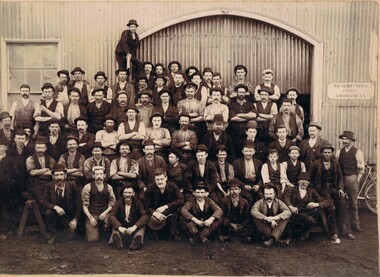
x=221, y=42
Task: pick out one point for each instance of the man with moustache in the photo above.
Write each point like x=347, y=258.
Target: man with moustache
x=148, y=72
x=56, y=140
x=22, y=110
x=145, y=107
x=268, y=83
x=48, y=109
x=169, y=112
x=83, y=85
x=62, y=88
x=141, y=84
x=216, y=107
x=123, y=84
x=6, y=133
x=98, y=199
x=185, y=140
x=241, y=72
x=97, y=110
x=176, y=89
x=118, y=111
x=217, y=83
x=73, y=110
x=160, y=136
x=270, y=216
x=86, y=139
x=128, y=219
x=96, y=159
x=108, y=137
x=39, y=167
x=292, y=94
x=62, y=202
x=101, y=79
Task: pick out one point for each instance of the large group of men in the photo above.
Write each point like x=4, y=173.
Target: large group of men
x=178, y=155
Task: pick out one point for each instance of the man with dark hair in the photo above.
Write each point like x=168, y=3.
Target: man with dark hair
x=268, y=83
x=56, y=140
x=86, y=139
x=83, y=85
x=175, y=169
x=159, y=85
x=176, y=90
x=6, y=133
x=260, y=147
x=62, y=88
x=128, y=218
x=96, y=159
x=22, y=110
x=224, y=170
x=62, y=202
x=217, y=83
x=97, y=110
x=282, y=143
x=163, y=201
x=73, y=110
x=160, y=136
x=145, y=107
x=101, y=79
x=169, y=112
x=241, y=72
x=292, y=94
x=123, y=84
x=174, y=67
x=148, y=72
x=108, y=137
x=119, y=110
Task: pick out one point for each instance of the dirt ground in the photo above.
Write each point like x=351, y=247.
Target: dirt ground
x=31, y=254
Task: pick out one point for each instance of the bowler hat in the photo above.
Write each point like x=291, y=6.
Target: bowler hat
x=148, y=142
x=315, y=124
x=327, y=146
x=121, y=69
x=200, y=185
x=156, y=224
x=19, y=132
x=142, y=77
x=162, y=76
x=164, y=90
x=76, y=69
x=131, y=107
x=251, y=125
x=64, y=71
x=221, y=147
x=47, y=85
x=235, y=183
x=175, y=151
x=109, y=117
x=185, y=114
x=207, y=69
x=241, y=86
x=155, y=114
x=96, y=89
x=146, y=92
x=292, y=89
x=266, y=89
x=304, y=176
x=347, y=134
x=97, y=144
x=286, y=100
x=196, y=73
x=54, y=121
x=190, y=84
x=132, y=22
x=69, y=137
x=201, y=148
x=240, y=66
x=70, y=90
x=177, y=62
x=122, y=92
x=249, y=144
x=100, y=73
x=83, y=118
x=189, y=68
x=272, y=150
x=120, y=143
x=218, y=119
x=4, y=114
x=41, y=140
x=59, y=167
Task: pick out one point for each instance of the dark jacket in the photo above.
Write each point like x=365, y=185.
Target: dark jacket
x=224, y=139
x=137, y=215
x=244, y=207
x=170, y=117
x=315, y=172
x=127, y=45
x=191, y=209
x=311, y=196
x=239, y=168
x=192, y=175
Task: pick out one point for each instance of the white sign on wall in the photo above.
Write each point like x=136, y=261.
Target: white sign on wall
x=352, y=91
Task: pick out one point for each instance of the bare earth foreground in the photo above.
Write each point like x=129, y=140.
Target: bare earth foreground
x=31, y=254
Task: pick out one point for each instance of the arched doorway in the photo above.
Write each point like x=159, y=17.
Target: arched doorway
x=221, y=39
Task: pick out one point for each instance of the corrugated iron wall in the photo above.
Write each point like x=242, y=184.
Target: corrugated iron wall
x=89, y=32
x=221, y=42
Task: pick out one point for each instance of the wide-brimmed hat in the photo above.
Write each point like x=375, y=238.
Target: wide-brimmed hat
x=348, y=134
x=155, y=224
x=64, y=71
x=97, y=144
x=266, y=89
x=207, y=69
x=270, y=185
x=131, y=107
x=47, y=85
x=100, y=73
x=235, y=183
x=190, y=84
x=189, y=68
x=77, y=68
x=4, y=114
x=146, y=92
x=177, y=62
x=142, y=77
x=315, y=124
x=162, y=76
x=54, y=121
x=241, y=86
x=70, y=90
x=121, y=69
x=240, y=66
x=155, y=114
x=59, y=167
x=120, y=143
x=184, y=114
x=218, y=119
x=132, y=22
x=249, y=143
x=327, y=146
x=292, y=89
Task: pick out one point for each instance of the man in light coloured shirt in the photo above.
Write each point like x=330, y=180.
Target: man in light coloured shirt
x=108, y=137
x=62, y=88
x=268, y=83
x=145, y=107
x=22, y=110
x=73, y=110
x=241, y=72
x=160, y=136
x=96, y=159
x=216, y=107
x=79, y=82
x=101, y=79
x=123, y=84
x=352, y=165
x=98, y=199
x=292, y=94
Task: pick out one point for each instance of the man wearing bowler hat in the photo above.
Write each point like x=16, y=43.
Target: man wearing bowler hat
x=200, y=215
x=352, y=165
x=73, y=110
x=83, y=85
x=22, y=110
x=62, y=88
x=163, y=201
x=48, y=109
x=97, y=109
x=126, y=48
x=128, y=219
x=101, y=79
x=241, y=72
x=123, y=84
x=62, y=203
x=268, y=83
x=6, y=133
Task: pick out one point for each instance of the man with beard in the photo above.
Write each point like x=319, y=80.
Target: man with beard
x=132, y=130
x=98, y=199
x=236, y=214
x=83, y=85
x=291, y=121
x=201, y=216
x=86, y=139
x=194, y=108
x=74, y=161
x=241, y=112
x=168, y=111
x=6, y=133
x=351, y=161
x=56, y=140
x=176, y=89
x=96, y=159
x=148, y=72
x=128, y=218
x=248, y=171
x=124, y=169
x=310, y=149
x=119, y=110
x=185, y=140
x=123, y=84
x=22, y=110
x=268, y=83
x=108, y=137
x=101, y=79
x=73, y=110
x=270, y=216
x=48, y=109
x=62, y=202
x=241, y=72
x=212, y=139
x=326, y=176
x=39, y=167
x=62, y=88
x=145, y=107
x=160, y=136
x=97, y=110
x=216, y=107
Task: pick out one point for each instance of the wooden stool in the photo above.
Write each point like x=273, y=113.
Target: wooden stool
x=30, y=204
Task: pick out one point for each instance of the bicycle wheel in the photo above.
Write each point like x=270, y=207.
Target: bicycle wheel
x=370, y=196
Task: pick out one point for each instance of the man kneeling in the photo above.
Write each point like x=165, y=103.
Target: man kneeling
x=128, y=218
x=201, y=215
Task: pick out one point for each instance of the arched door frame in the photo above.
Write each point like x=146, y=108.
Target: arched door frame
x=317, y=55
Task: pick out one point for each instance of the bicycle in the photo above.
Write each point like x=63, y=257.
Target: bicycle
x=367, y=189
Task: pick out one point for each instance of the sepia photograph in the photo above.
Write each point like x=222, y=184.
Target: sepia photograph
x=189, y=138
